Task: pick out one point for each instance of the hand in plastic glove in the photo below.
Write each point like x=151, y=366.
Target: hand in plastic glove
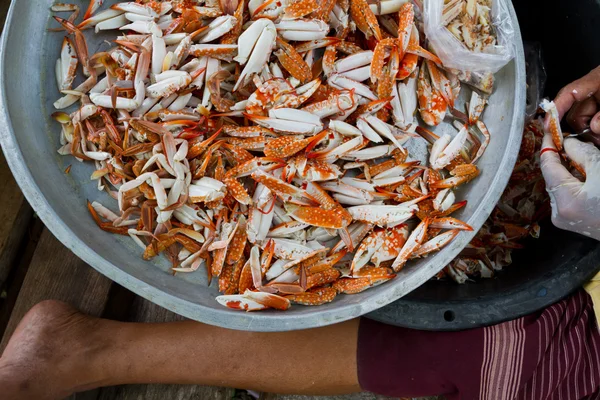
x=582, y=98
x=576, y=204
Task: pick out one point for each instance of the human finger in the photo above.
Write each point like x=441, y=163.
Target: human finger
x=579, y=90
x=581, y=114
x=595, y=124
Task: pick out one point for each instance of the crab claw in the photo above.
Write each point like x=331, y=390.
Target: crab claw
x=289, y=120
x=413, y=242
x=340, y=81
x=450, y=223
x=445, y=150
x=314, y=297
x=286, y=146
x=365, y=19
x=254, y=49
x=552, y=123
x=302, y=29
x=435, y=244
x=382, y=215
x=284, y=190
x=337, y=218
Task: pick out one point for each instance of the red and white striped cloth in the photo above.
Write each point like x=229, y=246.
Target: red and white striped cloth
x=553, y=354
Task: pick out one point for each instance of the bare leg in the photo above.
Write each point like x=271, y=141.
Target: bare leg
x=57, y=350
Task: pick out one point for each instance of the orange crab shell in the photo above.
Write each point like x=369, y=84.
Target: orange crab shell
x=337, y=218
x=314, y=297
x=322, y=278
x=300, y=8
x=365, y=19
x=292, y=61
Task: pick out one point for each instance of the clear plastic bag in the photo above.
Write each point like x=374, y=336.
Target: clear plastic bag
x=454, y=54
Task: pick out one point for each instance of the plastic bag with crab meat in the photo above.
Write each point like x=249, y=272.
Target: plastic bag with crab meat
x=445, y=20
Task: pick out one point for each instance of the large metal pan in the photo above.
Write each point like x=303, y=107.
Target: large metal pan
x=30, y=138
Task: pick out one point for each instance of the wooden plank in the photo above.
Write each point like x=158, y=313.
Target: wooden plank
x=56, y=273
x=18, y=274
x=145, y=311
x=15, y=216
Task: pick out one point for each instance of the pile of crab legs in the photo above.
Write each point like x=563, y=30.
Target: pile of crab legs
x=517, y=214
x=241, y=138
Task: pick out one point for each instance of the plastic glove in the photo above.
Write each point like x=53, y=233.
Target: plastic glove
x=575, y=204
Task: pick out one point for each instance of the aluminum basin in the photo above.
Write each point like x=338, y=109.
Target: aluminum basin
x=30, y=138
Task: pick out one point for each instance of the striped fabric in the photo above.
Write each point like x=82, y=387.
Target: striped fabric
x=554, y=354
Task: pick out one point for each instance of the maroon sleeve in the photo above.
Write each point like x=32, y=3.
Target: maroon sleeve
x=396, y=361
x=551, y=354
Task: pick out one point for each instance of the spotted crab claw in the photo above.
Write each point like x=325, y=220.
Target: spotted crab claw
x=292, y=61
x=440, y=82
x=221, y=51
x=432, y=104
x=313, y=297
x=366, y=278
x=316, y=216
x=552, y=123
x=290, y=249
x=342, y=102
x=289, y=120
x=414, y=241
x=254, y=49
x=282, y=189
x=382, y=215
x=302, y=29
x=365, y=19
x=460, y=175
x=287, y=146
x=300, y=8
